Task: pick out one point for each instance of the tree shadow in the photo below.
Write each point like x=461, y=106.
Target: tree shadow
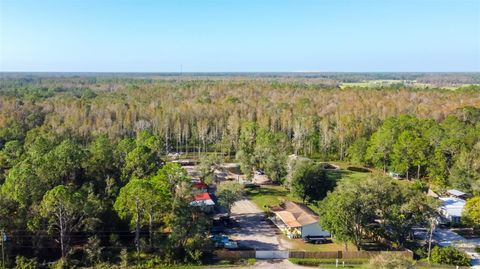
x=267, y=191
x=250, y=224
x=257, y=245
x=337, y=174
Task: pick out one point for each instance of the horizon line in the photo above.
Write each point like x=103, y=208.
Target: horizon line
x=228, y=72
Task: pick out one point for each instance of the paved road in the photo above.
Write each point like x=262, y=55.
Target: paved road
x=445, y=237
x=253, y=230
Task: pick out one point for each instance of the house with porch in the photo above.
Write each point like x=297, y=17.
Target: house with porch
x=296, y=220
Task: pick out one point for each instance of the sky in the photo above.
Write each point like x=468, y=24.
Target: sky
x=240, y=35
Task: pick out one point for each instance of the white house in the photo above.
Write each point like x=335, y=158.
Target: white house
x=203, y=200
x=297, y=220
x=451, y=209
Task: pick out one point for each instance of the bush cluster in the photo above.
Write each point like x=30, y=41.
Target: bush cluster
x=449, y=255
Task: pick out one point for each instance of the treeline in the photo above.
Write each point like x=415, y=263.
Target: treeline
x=445, y=153
x=436, y=78
x=199, y=115
x=289, y=117
x=99, y=201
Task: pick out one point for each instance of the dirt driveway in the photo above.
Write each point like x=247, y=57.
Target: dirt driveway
x=252, y=229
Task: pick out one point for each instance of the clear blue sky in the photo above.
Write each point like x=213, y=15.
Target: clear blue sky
x=240, y=35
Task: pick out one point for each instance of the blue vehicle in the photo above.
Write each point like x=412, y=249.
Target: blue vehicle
x=222, y=241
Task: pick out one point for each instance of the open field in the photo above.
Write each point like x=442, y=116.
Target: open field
x=406, y=83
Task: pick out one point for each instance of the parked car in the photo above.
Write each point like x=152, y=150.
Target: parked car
x=222, y=241
x=227, y=221
x=219, y=240
x=395, y=175
x=230, y=245
x=315, y=239
x=217, y=229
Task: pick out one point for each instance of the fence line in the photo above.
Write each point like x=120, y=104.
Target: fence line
x=343, y=254
x=245, y=254
x=234, y=254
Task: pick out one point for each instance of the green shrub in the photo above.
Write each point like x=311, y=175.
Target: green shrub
x=105, y=265
x=449, y=255
x=59, y=264
x=124, y=257
x=224, y=262
x=25, y=263
x=420, y=253
x=153, y=262
x=93, y=250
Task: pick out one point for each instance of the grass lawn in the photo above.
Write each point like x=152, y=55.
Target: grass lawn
x=268, y=195
x=340, y=266
x=348, y=175
x=329, y=262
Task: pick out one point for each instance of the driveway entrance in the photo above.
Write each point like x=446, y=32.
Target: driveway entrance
x=253, y=231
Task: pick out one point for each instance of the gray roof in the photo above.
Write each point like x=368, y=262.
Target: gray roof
x=456, y=192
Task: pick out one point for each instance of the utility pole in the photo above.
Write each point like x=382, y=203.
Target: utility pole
x=433, y=223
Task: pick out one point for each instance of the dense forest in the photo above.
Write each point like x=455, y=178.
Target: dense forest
x=77, y=151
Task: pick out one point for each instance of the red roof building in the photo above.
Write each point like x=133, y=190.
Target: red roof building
x=202, y=199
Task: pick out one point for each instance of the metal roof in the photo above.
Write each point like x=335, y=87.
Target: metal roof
x=202, y=199
x=456, y=192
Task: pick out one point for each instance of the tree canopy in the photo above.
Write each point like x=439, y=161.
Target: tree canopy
x=352, y=209
x=310, y=182
x=89, y=145
x=471, y=212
